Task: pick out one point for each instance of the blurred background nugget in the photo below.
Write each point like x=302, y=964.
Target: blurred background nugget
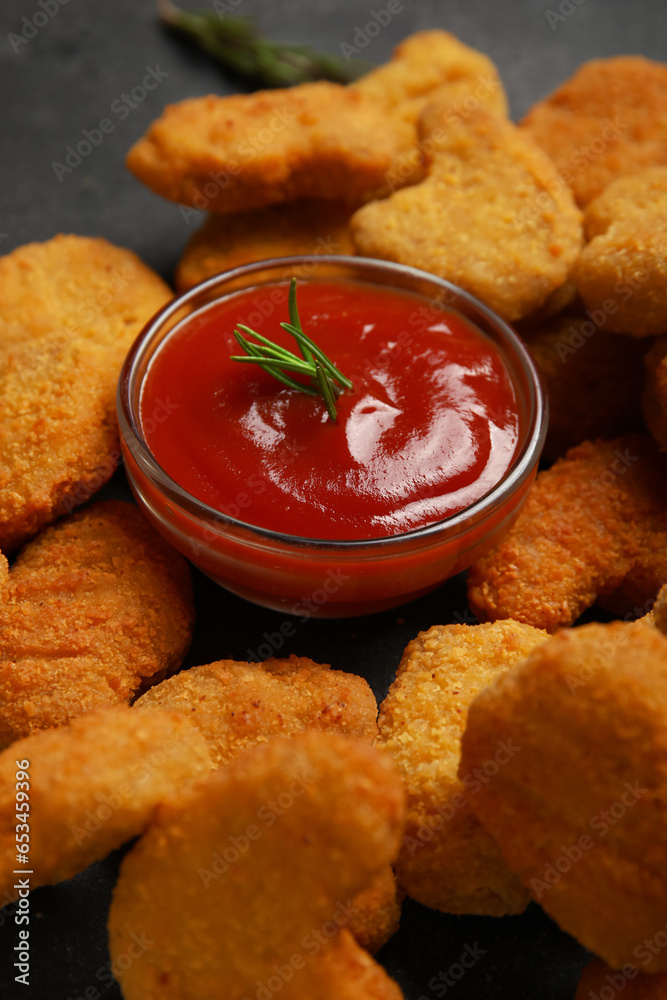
x=302, y=227
x=69, y=311
x=231, y=154
x=608, y=120
x=95, y=606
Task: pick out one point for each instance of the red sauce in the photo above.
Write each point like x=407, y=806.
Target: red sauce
x=430, y=427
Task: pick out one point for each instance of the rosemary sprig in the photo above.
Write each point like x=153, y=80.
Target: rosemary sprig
x=325, y=379
x=236, y=43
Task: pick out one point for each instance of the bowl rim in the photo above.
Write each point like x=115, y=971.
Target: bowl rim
x=521, y=467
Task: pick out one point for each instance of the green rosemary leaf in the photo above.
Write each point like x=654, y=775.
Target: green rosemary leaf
x=236, y=43
x=325, y=388
x=328, y=381
x=328, y=365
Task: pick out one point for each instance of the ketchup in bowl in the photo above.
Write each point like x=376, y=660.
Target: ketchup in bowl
x=429, y=459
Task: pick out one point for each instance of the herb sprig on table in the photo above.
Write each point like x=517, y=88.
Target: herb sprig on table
x=239, y=46
x=325, y=379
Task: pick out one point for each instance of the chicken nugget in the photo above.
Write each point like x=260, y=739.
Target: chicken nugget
x=594, y=527
x=90, y=787
x=654, y=397
x=230, y=154
x=645, y=191
x=580, y=809
x=594, y=381
x=598, y=981
x=482, y=218
x=427, y=66
x=622, y=273
x=425, y=61
x=609, y=120
x=69, y=311
x=448, y=861
x=378, y=912
x=658, y=613
x=301, y=227
x=95, y=604
x=254, y=870
x=237, y=705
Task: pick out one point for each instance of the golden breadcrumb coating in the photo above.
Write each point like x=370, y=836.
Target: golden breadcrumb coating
x=637, y=194
x=636, y=985
x=70, y=309
x=425, y=61
x=95, y=604
x=230, y=154
x=378, y=912
x=580, y=809
x=236, y=705
x=659, y=611
x=302, y=227
x=448, y=861
x=608, y=120
x=91, y=786
x=594, y=527
x=483, y=218
x=622, y=272
x=255, y=866
x=427, y=66
x=594, y=381
x=654, y=398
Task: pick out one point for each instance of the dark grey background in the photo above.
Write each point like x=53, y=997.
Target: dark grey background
x=66, y=79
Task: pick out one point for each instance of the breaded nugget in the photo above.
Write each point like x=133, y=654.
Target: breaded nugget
x=609, y=120
x=254, y=871
x=654, y=397
x=594, y=527
x=593, y=380
x=427, y=66
x=301, y=227
x=342, y=971
x=69, y=311
x=378, y=912
x=622, y=272
x=448, y=861
x=237, y=705
x=91, y=786
x=482, y=219
x=95, y=604
x=564, y=297
x=230, y=154
x=645, y=191
x=580, y=808
x=598, y=980
x=659, y=611
x=425, y=61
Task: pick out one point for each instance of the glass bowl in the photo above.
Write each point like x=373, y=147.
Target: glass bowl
x=329, y=579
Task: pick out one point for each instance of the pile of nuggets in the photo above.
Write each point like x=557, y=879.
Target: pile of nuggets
x=281, y=820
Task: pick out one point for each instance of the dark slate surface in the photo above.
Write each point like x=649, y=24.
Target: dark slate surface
x=69, y=75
